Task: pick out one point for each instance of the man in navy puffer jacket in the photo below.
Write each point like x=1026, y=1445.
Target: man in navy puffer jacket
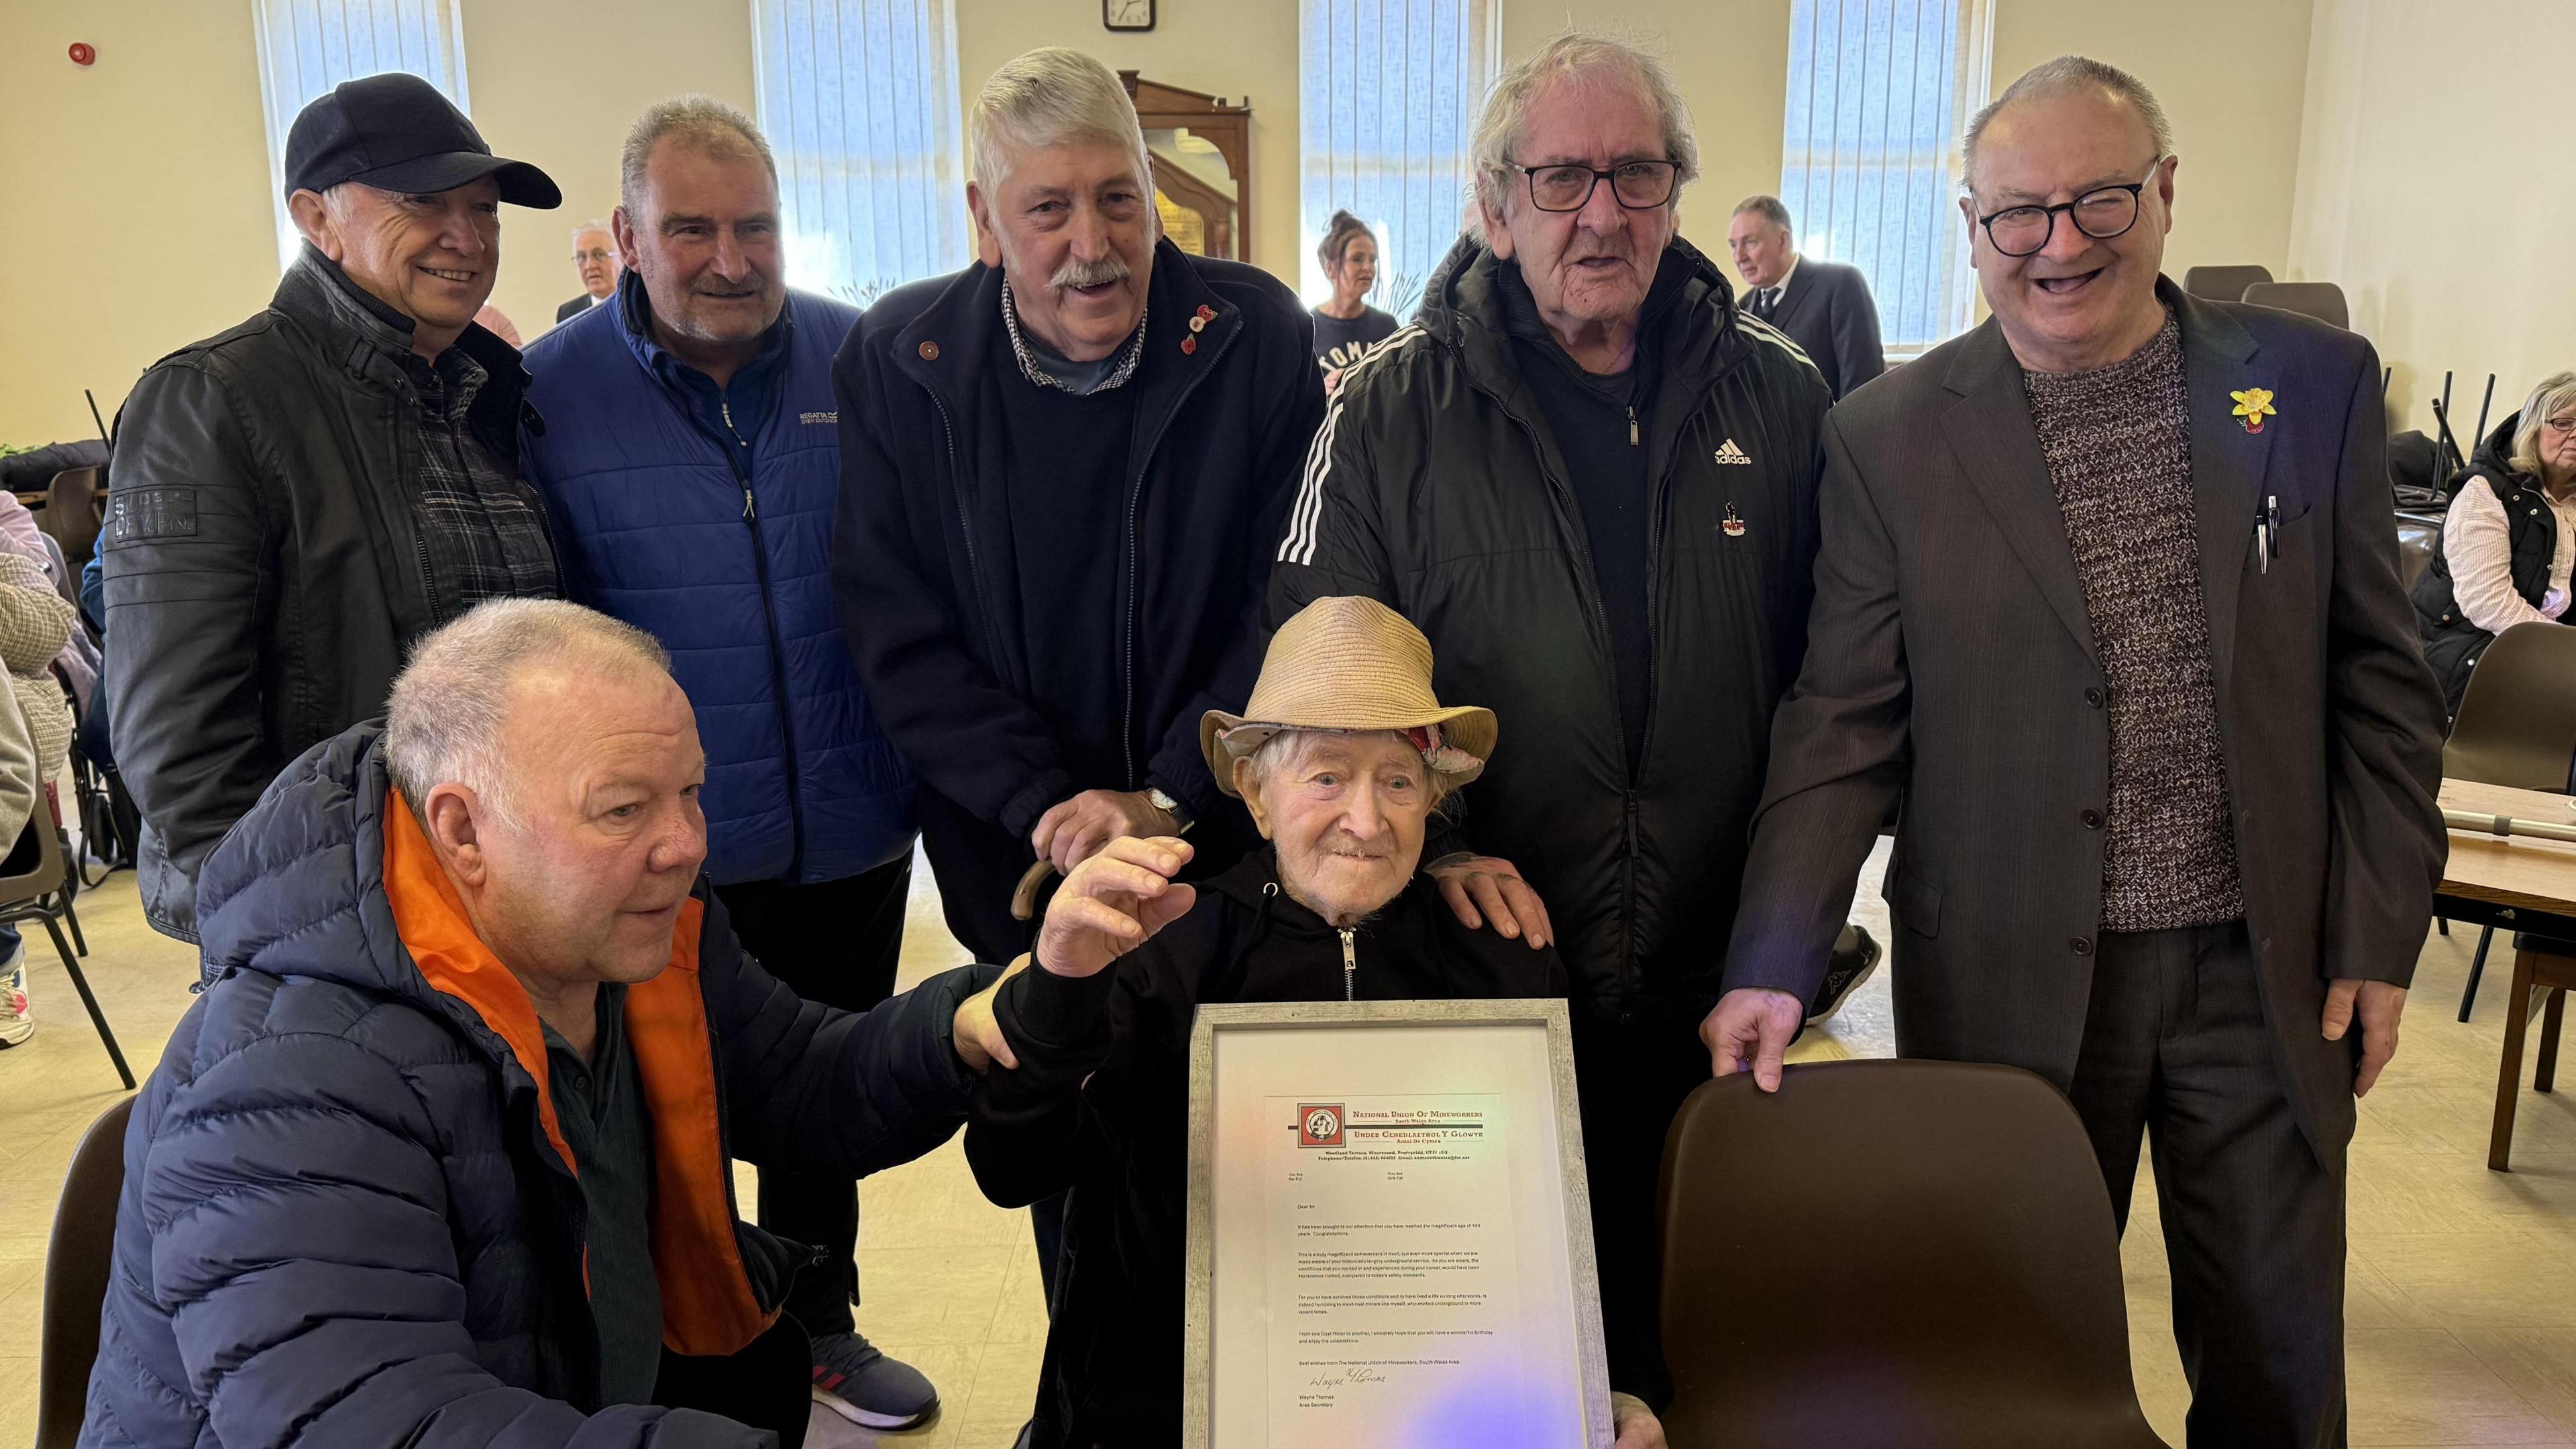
x=440, y=1157
x=690, y=466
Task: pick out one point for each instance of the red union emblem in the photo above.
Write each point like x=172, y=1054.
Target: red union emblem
x=1319, y=1124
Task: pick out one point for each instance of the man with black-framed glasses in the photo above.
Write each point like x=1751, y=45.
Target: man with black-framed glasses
x=1590, y=480
x=2110, y=599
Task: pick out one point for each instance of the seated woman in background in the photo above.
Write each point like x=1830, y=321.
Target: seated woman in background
x=1347, y=327
x=1341, y=755
x=2509, y=540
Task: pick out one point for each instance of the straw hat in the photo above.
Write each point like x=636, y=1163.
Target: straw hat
x=1349, y=664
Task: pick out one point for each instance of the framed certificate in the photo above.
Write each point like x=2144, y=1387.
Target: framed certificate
x=1390, y=1239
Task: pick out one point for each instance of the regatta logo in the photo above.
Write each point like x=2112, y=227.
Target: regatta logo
x=1319, y=1125
x=826, y=419
x=1727, y=452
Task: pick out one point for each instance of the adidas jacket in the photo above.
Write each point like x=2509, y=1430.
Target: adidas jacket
x=1434, y=487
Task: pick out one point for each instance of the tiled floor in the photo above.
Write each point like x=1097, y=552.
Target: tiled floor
x=2462, y=1289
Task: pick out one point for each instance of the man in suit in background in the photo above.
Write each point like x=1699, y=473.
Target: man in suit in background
x=594, y=255
x=1824, y=306
x=2111, y=599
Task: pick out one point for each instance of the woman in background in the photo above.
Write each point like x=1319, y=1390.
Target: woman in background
x=1347, y=327
x=2509, y=540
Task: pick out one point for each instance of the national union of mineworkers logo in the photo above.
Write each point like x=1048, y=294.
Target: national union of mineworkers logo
x=1319, y=1124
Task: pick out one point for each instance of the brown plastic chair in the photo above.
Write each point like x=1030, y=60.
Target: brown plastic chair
x=2223, y=284
x=2516, y=727
x=2517, y=722
x=2321, y=300
x=76, y=1269
x=72, y=514
x=37, y=888
x=1892, y=1253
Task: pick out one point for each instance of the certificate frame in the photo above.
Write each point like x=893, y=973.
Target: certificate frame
x=1550, y=1015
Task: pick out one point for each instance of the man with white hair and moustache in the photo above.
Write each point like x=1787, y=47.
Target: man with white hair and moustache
x=1062, y=472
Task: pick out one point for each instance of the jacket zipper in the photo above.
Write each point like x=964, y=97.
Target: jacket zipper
x=1135, y=500
x=1350, y=963
x=966, y=533
x=1566, y=507
x=777, y=651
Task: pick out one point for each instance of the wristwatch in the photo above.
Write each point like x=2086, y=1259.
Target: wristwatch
x=1179, y=812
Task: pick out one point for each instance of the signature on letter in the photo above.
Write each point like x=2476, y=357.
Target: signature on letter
x=1355, y=1375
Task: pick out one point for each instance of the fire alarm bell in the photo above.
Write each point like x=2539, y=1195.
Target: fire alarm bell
x=84, y=53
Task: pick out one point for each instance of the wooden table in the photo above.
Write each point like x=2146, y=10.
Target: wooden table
x=2517, y=884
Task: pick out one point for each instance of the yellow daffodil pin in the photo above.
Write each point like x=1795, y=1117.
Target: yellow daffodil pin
x=2254, y=404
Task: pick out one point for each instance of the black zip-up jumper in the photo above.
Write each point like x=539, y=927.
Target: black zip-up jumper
x=1438, y=489
x=1107, y=1113
x=932, y=586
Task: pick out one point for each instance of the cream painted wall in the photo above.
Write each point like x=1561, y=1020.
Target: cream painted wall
x=160, y=228
x=154, y=164
x=138, y=198
x=2423, y=192
x=2231, y=75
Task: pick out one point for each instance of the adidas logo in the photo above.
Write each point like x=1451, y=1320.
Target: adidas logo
x=1729, y=453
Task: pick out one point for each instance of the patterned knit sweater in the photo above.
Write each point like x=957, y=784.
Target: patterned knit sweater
x=2118, y=443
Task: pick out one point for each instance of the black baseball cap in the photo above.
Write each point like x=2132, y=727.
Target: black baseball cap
x=396, y=132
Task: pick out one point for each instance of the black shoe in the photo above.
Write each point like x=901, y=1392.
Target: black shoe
x=1855, y=961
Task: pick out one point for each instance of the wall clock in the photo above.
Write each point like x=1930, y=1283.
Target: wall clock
x=1127, y=14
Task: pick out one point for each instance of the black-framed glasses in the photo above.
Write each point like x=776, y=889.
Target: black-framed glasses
x=2022, y=231
x=1638, y=185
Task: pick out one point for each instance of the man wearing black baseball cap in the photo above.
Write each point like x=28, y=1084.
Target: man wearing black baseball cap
x=299, y=498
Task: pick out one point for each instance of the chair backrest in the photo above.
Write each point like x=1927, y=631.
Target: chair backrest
x=76, y=1269
x=2321, y=300
x=2223, y=284
x=36, y=858
x=2416, y=538
x=2517, y=723
x=71, y=513
x=1928, y=1240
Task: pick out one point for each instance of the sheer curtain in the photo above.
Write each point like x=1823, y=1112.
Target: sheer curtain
x=859, y=100
x=1389, y=95
x=1879, y=91
x=308, y=46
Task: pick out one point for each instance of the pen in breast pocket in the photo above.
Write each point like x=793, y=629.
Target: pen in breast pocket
x=2267, y=532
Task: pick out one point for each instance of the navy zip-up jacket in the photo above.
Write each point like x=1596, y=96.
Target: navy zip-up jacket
x=346, y=1220
x=705, y=518
x=1224, y=413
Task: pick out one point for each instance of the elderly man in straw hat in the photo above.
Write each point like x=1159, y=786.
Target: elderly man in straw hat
x=1340, y=756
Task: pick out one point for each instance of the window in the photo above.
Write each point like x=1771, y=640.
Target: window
x=1389, y=96
x=859, y=100
x=308, y=46
x=1879, y=91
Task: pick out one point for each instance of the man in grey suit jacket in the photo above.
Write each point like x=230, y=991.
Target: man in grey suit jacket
x=1825, y=307
x=2109, y=598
